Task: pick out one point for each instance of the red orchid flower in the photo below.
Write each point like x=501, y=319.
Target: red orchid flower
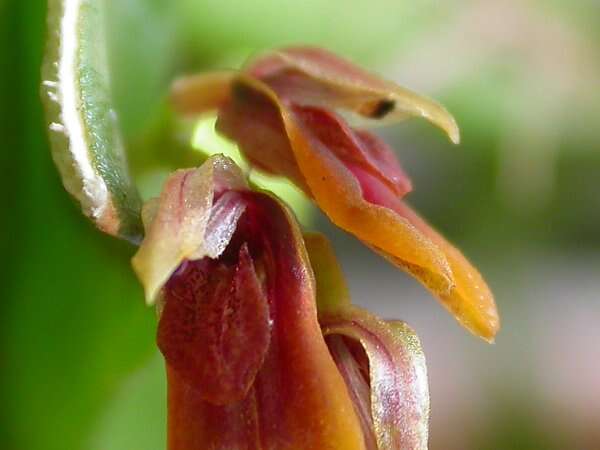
x=247, y=364
x=283, y=109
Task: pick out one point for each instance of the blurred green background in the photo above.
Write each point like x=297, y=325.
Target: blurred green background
x=78, y=364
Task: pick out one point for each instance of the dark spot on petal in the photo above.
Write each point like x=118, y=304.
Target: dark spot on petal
x=382, y=108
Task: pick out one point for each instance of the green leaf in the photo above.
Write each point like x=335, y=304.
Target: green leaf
x=85, y=138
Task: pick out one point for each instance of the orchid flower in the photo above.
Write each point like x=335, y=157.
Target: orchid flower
x=283, y=110
x=263, y=348
x=247, y=363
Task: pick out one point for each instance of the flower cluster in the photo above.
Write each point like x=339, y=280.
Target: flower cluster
x=263, y=348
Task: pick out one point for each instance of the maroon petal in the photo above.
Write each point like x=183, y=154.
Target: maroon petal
x=356, y=148
x=297, y=398
x=214, y=328
x=254, y=123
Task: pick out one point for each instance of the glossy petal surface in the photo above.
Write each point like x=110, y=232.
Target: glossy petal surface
x=470, y=300
x=390, y=378
x=391, y=371
x=397, y=377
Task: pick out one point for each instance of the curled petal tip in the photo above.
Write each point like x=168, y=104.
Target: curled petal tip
x=410, y=104
x=486, y=328
x=471, y=302
x=307, y=75
x=453, y=131
x=439, y=116
x=176, y=230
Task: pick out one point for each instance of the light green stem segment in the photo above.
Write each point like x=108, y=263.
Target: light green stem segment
x=86, y=143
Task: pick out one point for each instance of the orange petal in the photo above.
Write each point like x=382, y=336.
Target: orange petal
x=470, y=300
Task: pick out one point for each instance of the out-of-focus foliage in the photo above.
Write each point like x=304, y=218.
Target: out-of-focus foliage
x=78, y=365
